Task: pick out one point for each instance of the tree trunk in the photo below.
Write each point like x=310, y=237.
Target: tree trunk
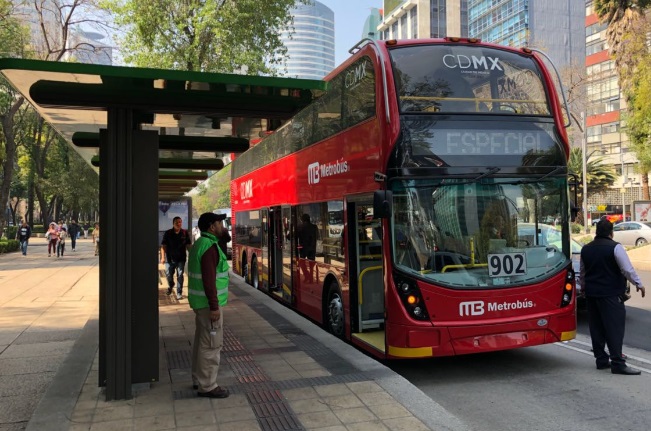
x=10, y=156
x=645, y=186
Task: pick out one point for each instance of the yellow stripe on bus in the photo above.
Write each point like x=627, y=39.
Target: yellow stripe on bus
x=569, y=335
x=410, y=352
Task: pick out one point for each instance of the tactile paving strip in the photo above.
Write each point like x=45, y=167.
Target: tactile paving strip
x=179, y=359
x=271, y=409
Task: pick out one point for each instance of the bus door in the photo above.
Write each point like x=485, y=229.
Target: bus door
x=266, y=246
x=288, y=232
x=275, y=238
x=366, y=247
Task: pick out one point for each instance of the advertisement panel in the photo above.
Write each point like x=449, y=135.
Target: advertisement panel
x=641, y=210
x=168, y=209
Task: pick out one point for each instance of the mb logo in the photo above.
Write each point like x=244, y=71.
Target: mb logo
x=313, y=173
x=471, y=308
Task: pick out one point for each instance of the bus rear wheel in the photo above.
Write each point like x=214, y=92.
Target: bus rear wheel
x=335, y=312
x=254, y=273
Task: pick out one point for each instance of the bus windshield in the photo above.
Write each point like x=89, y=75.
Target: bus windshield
x=463, y=78
x=493, y=232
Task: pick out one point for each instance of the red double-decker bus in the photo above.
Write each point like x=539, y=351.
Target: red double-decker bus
x=431, y=172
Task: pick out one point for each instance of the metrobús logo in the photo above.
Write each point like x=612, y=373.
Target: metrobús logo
x=316, y=170
x=477, y=308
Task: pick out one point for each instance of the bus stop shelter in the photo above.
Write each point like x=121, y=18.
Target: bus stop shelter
x=150, y=134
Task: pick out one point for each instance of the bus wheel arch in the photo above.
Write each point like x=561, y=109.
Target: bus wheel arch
x=255, y=281
x=333, y=308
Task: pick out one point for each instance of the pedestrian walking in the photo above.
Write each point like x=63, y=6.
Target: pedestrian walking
x=61, y=243
x=207, y=295
x=52, y=237
x=604, y=268
x=96, y=238
x=73, y=231
x=86, y=228
x=174, y=246
x=22, y=235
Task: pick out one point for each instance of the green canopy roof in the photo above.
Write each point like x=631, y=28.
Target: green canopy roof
x=200, y=117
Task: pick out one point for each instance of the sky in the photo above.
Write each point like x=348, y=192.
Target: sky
x=350, y=16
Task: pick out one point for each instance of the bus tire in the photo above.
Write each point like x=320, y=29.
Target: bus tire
x=334, y=311
x=255, y=282
x=245, y=269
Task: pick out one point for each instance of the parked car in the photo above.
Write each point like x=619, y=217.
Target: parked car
x=632, y=233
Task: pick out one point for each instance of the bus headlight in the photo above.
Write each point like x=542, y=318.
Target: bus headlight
x=568, y=288
x=411, y=298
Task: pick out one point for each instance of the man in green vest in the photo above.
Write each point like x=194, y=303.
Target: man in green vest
x=207, y=294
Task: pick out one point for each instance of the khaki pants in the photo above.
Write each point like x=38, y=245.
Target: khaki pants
x=205, y=359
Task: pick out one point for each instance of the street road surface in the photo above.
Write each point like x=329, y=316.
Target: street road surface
x=550, y=387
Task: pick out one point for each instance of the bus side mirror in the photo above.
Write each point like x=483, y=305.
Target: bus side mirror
x=382, y=203
x=574, y=211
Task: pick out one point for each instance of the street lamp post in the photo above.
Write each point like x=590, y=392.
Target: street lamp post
x=624, y=180
x=584, y=175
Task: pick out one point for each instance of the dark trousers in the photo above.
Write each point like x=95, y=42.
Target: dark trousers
x=73, y=240
x=179, y=269
x=607, y=321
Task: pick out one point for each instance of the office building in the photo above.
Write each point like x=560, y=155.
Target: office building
x=554, y=26
x=605, y=135
x=311, y=48
x=422, y=19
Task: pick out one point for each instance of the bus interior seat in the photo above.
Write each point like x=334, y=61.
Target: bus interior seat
x=372, y=293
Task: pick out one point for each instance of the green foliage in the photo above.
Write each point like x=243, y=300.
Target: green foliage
x=576, y=228
x=9, y=245
x=203, y=35
x=600, y=174
x=639, y=115
x=214, y=193
x=10, y=232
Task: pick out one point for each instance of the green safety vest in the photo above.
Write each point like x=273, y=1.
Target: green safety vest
x=196, y=294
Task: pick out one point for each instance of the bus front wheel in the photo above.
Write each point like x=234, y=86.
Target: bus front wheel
x=335, y=312
x=245, y=269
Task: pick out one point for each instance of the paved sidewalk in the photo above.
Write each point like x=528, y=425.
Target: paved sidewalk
x=284, y=372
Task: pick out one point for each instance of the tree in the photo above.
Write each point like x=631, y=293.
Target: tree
x=599, y=174
x=214, y=193
x=638, y=117
x=627, y=41
x=13, y=36
x=203, y=35
x=622, y=16
x=52, y=22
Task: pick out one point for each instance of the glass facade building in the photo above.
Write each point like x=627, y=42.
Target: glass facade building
x=554, y=26
x=311, y=48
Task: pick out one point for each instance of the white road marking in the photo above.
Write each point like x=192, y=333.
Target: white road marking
x=566, y=345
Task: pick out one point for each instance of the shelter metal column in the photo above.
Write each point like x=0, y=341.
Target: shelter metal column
x=128, y=348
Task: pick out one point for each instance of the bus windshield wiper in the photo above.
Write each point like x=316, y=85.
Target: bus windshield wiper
x=489, y=171
x=548, y=174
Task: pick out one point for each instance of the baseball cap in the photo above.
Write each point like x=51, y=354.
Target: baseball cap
x=206, y=219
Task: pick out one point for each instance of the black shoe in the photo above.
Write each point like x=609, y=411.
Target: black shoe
x=169, y=292
x=218, y=392
x=626, y=370
x=195, y=387
x=603, y=366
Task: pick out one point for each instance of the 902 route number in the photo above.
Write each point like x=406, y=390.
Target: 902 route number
x=506, y=264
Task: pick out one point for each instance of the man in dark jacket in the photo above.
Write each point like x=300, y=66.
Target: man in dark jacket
x=176, y=242
x=605, y=267
x=22, y=235
x=73, y=233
